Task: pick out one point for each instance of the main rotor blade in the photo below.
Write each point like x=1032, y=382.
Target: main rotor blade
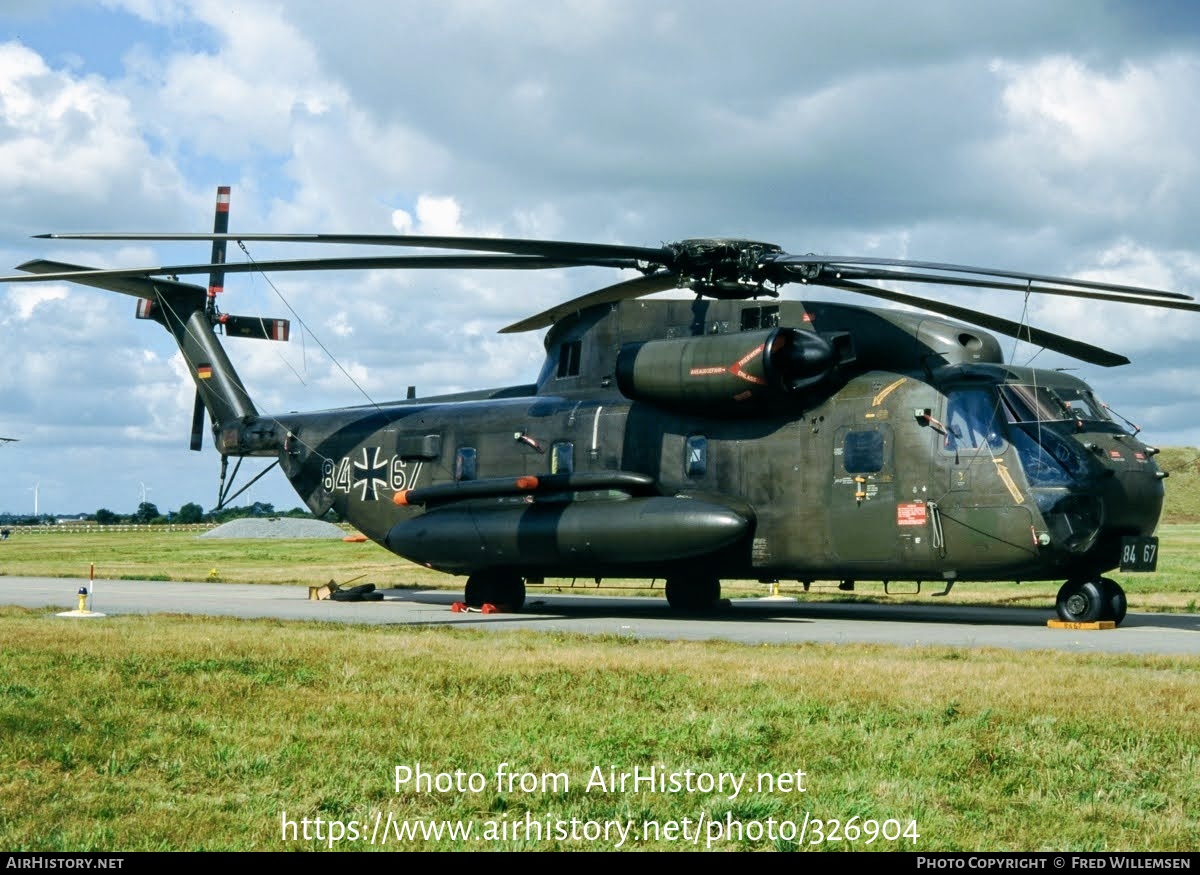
x=623, y=291
x=794, y=263
x=141, y=287
x=1172, y=302
x=778, y=266
x=1056, y=342
x=581, y=252
x=422, y=262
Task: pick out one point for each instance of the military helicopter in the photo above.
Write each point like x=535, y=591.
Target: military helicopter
x=730, y=436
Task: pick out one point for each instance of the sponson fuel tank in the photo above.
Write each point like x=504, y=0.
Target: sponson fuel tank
x=629, y=531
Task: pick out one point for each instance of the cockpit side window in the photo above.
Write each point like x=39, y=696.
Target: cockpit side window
x=971, y=421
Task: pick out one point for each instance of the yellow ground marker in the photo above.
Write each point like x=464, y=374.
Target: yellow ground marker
x=1098, y=624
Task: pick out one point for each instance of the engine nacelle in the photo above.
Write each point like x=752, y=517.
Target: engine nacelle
x=729, y=373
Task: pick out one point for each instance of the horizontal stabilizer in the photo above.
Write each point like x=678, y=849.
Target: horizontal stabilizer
x=256, y=327
x=253, y=327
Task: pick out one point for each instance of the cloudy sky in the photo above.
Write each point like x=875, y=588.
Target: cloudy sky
x=1046, y=137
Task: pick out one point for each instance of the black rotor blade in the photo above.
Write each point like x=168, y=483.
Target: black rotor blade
x=780, y=267
x=1056, y=342
x=405, y=262
x=1171, y=303
x=138, y=286
x=623, y=291
x=795, y=264
x=216, y=277
x=583, y=253
x=197, y=423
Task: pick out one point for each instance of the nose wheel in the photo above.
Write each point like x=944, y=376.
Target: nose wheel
x=1091, y=600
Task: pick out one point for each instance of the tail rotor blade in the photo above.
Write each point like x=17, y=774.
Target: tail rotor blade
x=197, y=423
x=216, y=278
x=216, y=285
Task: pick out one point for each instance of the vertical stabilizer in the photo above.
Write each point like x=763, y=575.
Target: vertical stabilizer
x=218, y=386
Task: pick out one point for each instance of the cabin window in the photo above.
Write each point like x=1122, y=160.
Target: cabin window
x=971, y=420
x=465, y=464
x=568, y=358
x=562, y=458
x=862, y=452
x=695, y=463
x=754, y=318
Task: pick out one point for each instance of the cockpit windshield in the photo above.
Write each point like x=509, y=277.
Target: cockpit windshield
x=1026, y=403
x=1042, y=418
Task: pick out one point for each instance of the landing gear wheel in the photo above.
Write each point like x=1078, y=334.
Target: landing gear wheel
x=1115, y=604
x=1080, y=601
x=511, y=594
x=504, y=589
x=693, y=594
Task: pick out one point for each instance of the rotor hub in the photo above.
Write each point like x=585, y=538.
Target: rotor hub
x=720, y=261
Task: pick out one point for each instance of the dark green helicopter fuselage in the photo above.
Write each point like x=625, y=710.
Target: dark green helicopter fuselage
x=737, y=439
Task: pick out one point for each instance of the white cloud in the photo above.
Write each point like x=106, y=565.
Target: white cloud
x=246, y=95
x=438, y=216
x=1115, y=144
x=64, y=137
x=27, y=301
x=1081, y=116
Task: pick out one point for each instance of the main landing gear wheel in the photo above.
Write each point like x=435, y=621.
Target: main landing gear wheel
x=1087, y=601
x=693, y=594
x=504, y=589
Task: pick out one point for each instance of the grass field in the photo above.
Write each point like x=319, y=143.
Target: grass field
x=182, y=733
x=170, y=733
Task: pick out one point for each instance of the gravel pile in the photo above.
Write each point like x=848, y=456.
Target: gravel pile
x=275, y=527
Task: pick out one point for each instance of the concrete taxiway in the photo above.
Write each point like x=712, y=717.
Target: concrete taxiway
x=750, y=621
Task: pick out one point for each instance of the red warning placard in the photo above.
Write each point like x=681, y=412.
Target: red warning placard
x=910, y=514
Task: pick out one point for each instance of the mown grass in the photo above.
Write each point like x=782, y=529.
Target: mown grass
x=183, y=556
x=1182, y=464
x=152, y=554
x=169, y=733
